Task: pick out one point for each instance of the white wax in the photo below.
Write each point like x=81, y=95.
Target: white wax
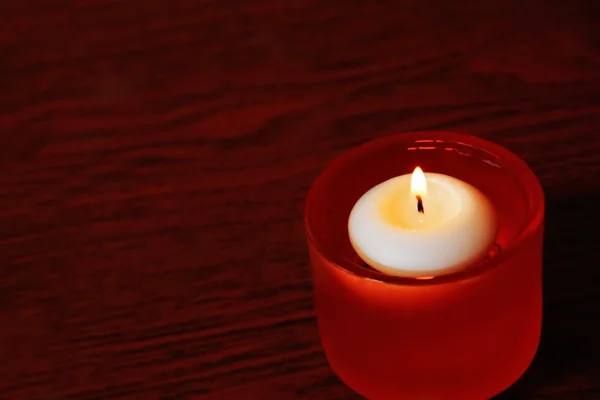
x=457, y=227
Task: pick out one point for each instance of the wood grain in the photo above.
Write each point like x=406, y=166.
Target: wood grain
x=154, y=157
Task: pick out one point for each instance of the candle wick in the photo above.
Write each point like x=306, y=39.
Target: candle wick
x=420, y=207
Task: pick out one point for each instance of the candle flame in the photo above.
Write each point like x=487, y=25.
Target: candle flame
x=418, y=183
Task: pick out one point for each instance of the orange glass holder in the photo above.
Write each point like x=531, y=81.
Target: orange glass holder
x=466, y=335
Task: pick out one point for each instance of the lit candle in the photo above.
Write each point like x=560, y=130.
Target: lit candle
x=422, y=225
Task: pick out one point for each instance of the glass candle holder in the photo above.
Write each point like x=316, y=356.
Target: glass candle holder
x=464, y=335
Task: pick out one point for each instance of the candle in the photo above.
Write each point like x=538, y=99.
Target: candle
x=422, y=225
x=388, y=332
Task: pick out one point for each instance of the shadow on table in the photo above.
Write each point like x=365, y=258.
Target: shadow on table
x=568, y=358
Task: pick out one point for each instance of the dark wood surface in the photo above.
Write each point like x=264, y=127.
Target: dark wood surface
x=154, y=157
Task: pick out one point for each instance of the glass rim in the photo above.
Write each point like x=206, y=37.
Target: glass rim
x=525, y=178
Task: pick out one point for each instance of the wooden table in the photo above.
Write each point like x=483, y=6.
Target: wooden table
x=154, y=158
